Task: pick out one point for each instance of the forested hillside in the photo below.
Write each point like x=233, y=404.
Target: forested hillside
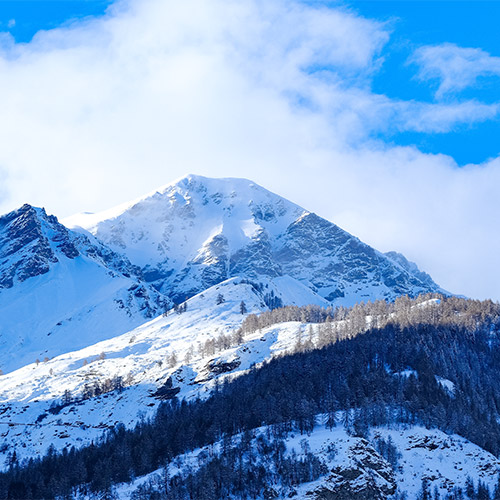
x=432, y=361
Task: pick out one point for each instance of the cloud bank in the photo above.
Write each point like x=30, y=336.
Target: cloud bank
x=107, y=109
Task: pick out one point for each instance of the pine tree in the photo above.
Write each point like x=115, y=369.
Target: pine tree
x=243, y=307
x=67, y=399
x=469, y=488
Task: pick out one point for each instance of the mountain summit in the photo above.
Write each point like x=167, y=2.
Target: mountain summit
x=60, y=290
x=197, y=232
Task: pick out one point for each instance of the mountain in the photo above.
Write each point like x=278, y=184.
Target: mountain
x=61, y=290
x=109, y=319
x=197, y=232
x=298, y=403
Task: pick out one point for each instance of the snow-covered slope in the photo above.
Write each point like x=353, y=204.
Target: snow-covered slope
x=192, y=349
x=185, y=355
x=357, y=467
x=61, y=290
x=197, y=232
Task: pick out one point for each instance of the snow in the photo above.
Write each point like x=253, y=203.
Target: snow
x=406, y=373
x=71, y=307
x=429, y=303
x=142, y=354
x=446, y=384
x=446, y=461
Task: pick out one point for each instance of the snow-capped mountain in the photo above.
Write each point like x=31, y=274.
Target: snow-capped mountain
x=103, y=322
x=198, y=232
x=61, y=290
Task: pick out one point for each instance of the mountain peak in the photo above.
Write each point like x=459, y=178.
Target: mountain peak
x=185, y=191
x=24, y=212
x=30, y=241
x=229, y=191
x=197, y=231
x=192, y=180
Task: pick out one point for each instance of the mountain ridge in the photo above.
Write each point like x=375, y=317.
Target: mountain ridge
x=197, y=231
x=64, y=288
x=60, y=289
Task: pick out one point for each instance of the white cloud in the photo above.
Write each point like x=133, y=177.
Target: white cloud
x=455, y=67
x=425, y=117
x=105, y=110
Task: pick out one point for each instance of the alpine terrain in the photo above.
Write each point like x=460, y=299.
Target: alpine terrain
x=198, y=232
x=213, y=340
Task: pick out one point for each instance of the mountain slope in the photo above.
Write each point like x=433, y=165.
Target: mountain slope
x=142, y=358
x=430, y=363
x=354, y=467
x=61, y=290
x=197, y=232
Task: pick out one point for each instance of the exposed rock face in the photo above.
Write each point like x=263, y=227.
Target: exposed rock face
x=216, y=367
x=339, y=265
x=365, y=476
x=219, y=366
x=198, y=232
x=166, y=391
x=25, y=251
x=60, y=289
x=32, y=241
x=411, y=267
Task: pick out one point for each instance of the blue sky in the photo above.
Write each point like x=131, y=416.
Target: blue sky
x=412, y=22
x=30, y=16
x=416, y=23
x=380, y=116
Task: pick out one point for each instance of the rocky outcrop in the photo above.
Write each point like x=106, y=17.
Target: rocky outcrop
x=25, y=250
x=366, y=475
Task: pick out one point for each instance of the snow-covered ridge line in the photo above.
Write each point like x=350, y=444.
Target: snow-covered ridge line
x=91, y=220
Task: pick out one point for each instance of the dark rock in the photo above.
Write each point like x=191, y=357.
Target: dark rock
x=218, y=367
x=166, y=391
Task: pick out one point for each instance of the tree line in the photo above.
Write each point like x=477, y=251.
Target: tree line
x=454, y=339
